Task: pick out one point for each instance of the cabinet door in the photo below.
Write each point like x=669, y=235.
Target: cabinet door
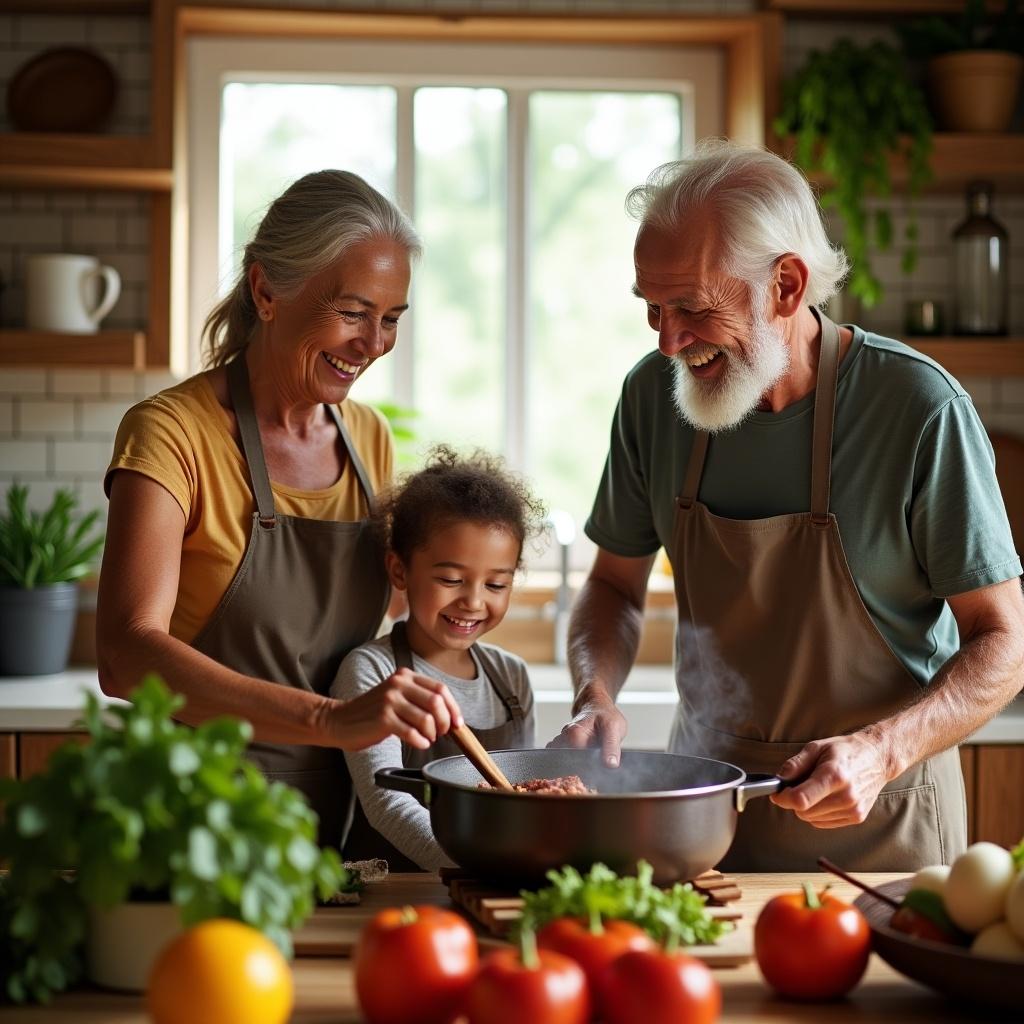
x=999, y=813
x=35, y=748
x=968, y=763
x=8, y=755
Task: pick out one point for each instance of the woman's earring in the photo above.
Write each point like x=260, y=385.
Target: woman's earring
x=265, y=313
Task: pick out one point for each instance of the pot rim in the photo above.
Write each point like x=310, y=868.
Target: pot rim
x=660, y=794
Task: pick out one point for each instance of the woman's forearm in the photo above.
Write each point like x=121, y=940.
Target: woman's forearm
x=277, y=713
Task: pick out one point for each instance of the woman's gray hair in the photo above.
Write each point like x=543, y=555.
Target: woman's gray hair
x=762, y=205
x=306, y=229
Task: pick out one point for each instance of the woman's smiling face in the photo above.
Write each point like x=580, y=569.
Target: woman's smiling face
x=343, y=319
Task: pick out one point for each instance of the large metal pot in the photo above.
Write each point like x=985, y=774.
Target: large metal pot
x=674, y=811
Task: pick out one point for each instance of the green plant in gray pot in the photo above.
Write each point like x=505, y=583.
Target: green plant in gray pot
x=42, y=555
x=148, y=827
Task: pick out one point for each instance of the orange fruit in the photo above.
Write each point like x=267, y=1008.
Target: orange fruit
x=220, y=972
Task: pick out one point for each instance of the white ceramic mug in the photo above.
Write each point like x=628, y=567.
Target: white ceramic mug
x=62, y=292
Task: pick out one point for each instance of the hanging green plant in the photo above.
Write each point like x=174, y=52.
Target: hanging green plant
x=850, y=110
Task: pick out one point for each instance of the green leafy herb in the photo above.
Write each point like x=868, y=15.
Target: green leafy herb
x=676, y=915
x=41, y=548
x=851, y=109
x=150, y=808
x=1018, y=855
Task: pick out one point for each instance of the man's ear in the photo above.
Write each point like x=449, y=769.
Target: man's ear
x=789, y=284
x=396, y=570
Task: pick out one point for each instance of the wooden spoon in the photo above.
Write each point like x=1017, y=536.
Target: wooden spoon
x=482, y=761
x=839, y=872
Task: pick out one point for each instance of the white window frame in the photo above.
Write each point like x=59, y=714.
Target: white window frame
x=518, y=69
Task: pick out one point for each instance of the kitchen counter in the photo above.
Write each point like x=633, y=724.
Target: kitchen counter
x=325, y=993
x=53, y=703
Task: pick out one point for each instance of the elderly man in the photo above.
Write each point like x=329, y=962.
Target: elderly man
x=846, y=581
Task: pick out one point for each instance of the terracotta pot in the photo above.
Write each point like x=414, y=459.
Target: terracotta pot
x=975, y=90
x=124, y=941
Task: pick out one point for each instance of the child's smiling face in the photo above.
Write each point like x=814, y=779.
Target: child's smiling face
x=458, y=584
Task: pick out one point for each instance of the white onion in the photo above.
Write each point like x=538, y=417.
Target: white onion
x=975, y=891
x=997, y=940
x=931, y=879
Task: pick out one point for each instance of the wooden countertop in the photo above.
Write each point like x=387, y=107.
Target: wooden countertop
x=325, y=993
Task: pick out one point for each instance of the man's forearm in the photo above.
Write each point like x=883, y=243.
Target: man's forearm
x=970, y=689
x=604, y=634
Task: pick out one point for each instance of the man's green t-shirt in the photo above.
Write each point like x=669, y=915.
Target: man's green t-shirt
x=913, y=485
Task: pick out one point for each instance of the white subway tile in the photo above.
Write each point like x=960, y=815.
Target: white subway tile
x=121, y=384
x=133, y=231
x=1010, y=393
x=88, y=231
x=70, y=201
x=49, y=417
x=115, y=202
x=32, y=31
x=77, y=458
x=6, y=417
x=44, y=229
x=152, y=382
x=92, y=496
x=1004, y=421
x=981, y=389
x=30, y=202
x=76, y=382
x=23, y=457
x=132, y=266
x=119, y=31
x=40, y=492
x=101, y=417
x=23, y=382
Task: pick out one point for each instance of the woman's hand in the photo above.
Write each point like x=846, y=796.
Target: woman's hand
x=415, y=708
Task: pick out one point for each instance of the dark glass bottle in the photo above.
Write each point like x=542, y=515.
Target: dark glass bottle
x=981, y=278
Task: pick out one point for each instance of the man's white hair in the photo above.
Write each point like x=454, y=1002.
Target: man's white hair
x=761, y=205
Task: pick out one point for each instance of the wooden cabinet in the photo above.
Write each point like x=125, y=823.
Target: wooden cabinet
x=994, y=778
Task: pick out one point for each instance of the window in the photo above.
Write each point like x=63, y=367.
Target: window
x=514, y=163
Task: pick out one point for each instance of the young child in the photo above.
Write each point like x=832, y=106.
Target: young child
x=454, y=533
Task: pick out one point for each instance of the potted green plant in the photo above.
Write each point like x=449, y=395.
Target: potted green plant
x=42, y=555
x=148, y=827
x=851, y=109
x=974, y=64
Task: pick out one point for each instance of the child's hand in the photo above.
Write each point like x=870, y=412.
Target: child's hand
x=415, y=708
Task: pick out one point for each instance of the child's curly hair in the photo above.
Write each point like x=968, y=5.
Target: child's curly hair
x=454, y=488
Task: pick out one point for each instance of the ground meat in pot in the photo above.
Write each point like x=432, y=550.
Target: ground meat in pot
x=564, y=785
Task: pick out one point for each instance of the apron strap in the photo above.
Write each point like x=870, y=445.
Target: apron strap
x=824, y=418
x=403, y=659
x=694, y=469
x=353, y=457
x=252, y=447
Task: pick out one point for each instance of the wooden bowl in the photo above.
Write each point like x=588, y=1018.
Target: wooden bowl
x=952, y=970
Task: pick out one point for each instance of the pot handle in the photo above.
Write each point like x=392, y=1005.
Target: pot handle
x=404, y=780
x=757, y=784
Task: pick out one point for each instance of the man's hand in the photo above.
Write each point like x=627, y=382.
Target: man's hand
x=845, y=776
x=597, y=723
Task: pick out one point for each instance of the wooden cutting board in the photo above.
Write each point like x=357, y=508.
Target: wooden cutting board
x=334, y=931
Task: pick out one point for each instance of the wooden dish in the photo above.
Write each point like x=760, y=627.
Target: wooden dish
x=62, y=90
x=952, y=970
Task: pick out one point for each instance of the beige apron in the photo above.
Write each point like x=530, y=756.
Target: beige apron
x=775, y=648
x=364, y=840
x=306, y=593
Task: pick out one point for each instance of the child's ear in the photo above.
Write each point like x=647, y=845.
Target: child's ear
x=396, y=570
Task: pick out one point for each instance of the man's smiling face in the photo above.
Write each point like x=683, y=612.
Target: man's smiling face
x=725, y=354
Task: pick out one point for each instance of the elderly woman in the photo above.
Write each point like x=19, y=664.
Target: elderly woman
x=239, y=562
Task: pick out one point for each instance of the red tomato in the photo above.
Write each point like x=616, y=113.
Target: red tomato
x=655, y=987
x=593, y=951
x=507, y=992
x=811, y=947
x=414, y=964
x=913, y=922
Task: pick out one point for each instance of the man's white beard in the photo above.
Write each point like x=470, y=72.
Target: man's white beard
x=725, y=402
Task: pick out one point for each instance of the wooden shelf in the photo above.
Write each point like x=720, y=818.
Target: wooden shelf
x=828, y=8
x=47, y=160
x=975, y=357
x=958, y=158
x=124, y=350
